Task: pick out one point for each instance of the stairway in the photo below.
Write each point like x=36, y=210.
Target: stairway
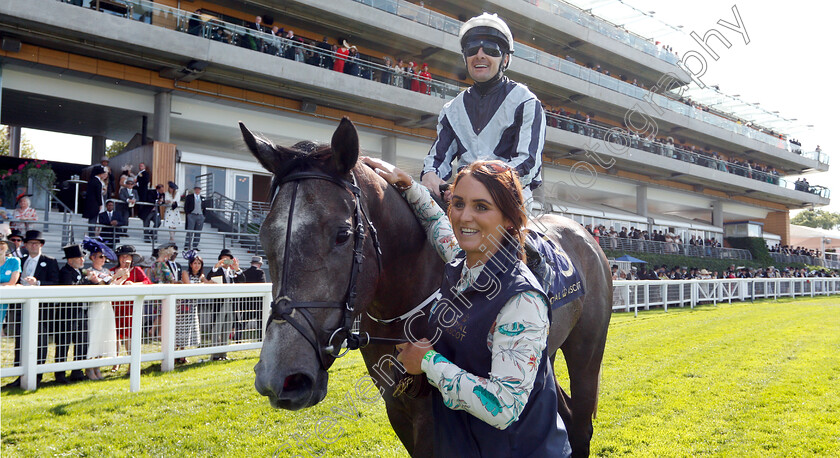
x=211, y=243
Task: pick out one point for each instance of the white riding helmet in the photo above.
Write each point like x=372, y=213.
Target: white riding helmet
x=487, y=24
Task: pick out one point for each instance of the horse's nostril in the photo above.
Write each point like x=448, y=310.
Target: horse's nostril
x=297, y=383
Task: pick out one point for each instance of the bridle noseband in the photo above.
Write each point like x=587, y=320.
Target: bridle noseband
x=283, y=307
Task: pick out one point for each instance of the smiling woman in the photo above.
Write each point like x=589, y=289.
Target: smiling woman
x=489, y=362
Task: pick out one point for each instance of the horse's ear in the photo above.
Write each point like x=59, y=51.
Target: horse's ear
x=263, y=150
x=345, y=146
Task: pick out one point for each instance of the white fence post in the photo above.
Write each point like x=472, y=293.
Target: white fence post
x=136, y=343
x=168, y=307
x=29, y=344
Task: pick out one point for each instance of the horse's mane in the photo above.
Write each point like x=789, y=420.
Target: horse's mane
x=303, y=154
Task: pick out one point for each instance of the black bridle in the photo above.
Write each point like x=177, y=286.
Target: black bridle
x=283, y=307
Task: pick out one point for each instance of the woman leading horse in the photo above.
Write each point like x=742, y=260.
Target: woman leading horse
x=496, y=393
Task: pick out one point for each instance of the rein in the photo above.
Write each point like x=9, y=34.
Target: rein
x=284, y=308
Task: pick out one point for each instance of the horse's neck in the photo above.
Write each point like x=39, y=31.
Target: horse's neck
x=411, y=268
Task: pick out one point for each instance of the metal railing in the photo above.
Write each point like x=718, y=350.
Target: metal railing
x=682, y=249
x=423, y=16
x=818, y=156
x=620, y=136
x=212, y=28
x=635, y=294
x=831, y=263
x=604, y=27
x=145, y=237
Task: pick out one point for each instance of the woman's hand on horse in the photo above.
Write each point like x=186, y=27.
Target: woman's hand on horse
x=391, y=173
x=411, y=355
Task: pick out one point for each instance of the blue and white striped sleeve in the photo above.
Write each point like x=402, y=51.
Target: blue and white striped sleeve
x=439, y=159
x=530, y=143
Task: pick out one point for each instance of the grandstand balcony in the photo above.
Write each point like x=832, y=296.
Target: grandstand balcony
x=555, y=79
x=600, y=146
x=564, y=29
x=159, y=40
x=390, y=27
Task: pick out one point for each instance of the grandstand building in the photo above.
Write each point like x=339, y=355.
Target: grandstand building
x=185, y=72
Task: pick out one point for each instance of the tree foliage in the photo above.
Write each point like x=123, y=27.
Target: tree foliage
x=114, y=148
x=817, y=219
x=26, y=148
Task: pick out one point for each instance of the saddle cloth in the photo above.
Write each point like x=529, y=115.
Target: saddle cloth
x=553, y=269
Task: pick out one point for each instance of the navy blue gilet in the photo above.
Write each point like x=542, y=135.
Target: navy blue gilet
x=539, y=431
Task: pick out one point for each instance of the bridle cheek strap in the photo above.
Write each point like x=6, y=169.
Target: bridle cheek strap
x=283, y=307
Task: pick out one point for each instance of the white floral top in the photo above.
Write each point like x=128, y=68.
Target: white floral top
x=516, y=342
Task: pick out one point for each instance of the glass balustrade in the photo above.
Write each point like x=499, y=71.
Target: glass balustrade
x=605, y=28
x=616, y=135
x=212, y=28
x=446, y=24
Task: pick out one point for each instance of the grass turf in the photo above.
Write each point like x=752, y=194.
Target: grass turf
x=749, y=379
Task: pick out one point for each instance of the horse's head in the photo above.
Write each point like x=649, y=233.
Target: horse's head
x=311, y=240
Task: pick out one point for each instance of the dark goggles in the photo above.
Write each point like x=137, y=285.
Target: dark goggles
x=491, y=48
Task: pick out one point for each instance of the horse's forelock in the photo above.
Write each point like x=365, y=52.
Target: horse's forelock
x=302, y=155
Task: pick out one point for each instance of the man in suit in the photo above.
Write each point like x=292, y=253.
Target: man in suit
x=195, y=208
x=71, y=319
x=17, y=239
x=156, y=197
x=173, y=265
x=94, y=200
x=129, y=195
x=226, y=270
x=143, y=180
x=36, y=270
x=112, y=220
x=255, y=274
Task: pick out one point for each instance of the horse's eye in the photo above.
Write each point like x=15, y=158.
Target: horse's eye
x=343, y=236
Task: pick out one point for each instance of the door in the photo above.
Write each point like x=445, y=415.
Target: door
x=242, y=187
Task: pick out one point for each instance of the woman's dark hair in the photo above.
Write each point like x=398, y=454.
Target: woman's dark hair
x=201, y=269
x=503, y=184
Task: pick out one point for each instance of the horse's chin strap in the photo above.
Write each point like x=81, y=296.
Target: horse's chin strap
x=283, y=307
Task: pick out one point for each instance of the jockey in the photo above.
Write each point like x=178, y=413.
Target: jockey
x=495, y=118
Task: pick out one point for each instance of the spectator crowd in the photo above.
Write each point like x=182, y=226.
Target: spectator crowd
x=663, y=272
x=100, y=329
x=640, y=240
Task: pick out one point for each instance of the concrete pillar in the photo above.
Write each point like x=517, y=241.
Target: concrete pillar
x=14, y=141
x=641, y=201
x=97, y=149
x=163, y=108
x=642, y=204
x=778, y=223
x=389, y=149
x=717, y=214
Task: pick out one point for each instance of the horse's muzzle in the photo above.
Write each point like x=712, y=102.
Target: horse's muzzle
x=291, y=391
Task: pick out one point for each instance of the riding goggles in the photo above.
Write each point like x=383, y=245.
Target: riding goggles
x=491, y=48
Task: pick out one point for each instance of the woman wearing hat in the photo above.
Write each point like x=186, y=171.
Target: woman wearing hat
x=172, y=217
x=23, y=213
x=102, y=327
x=425, y=79
x=9, y=271
x=126, y=272
x=341, y=56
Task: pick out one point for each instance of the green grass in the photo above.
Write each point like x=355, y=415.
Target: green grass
x=760, y=379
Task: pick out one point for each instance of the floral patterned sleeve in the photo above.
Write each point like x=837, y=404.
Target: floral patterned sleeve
x=434, y=221
x=516, y=341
